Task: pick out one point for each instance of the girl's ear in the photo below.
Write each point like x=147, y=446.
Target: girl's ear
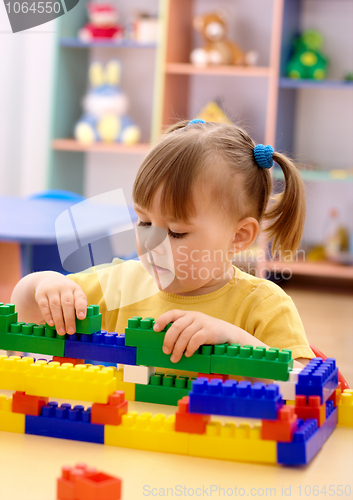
x=245, y=234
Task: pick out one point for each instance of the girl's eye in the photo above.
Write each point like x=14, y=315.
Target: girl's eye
x=170, y=233
x=176, y=235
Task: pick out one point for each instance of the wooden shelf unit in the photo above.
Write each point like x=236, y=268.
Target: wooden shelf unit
x=100, y=147
x=177, y=76
x=176, y=70
x=189, y=69
x=288, y=102
x=67, y=158
x=74, y=42
x=174, y=77
x=289, y=83
x=326, y=269
x=319, y=175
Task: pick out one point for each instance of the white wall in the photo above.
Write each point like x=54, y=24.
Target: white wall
x=25, y=96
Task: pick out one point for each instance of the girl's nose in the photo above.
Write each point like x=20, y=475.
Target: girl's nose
x=152, y=237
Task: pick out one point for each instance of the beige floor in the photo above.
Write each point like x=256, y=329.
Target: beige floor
x=328, y=321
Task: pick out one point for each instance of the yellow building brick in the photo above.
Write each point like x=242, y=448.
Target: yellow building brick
x=80, y=382
x=345, y=408
x=231, y=442
x=127, y=387
x=13, y=372
x=10, y=422
x=145, y=432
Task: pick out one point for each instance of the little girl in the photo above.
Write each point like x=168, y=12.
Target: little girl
x=207, y=186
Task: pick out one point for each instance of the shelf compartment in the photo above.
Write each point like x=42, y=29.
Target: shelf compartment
x=319, y=176
x=290, y=83
x=190, y=69
x=100, y=147
x=106, y=43
x=322, y=269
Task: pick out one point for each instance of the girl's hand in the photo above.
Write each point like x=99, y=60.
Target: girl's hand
x=58, y=299
x=191, y=329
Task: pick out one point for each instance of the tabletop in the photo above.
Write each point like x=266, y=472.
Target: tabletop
x=36, y=221
x=30, y=466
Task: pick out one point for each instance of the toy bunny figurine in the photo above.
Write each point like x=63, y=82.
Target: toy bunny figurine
x=105, y=105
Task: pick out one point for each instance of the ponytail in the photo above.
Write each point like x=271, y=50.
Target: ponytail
x=286, y=215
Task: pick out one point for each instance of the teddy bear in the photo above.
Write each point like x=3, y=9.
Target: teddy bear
x=105, y=105
x=218, y=49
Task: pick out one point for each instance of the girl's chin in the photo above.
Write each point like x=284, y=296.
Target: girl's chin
x=170, y=287
x=176, y=289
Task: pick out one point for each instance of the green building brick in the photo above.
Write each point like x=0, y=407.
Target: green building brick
x=7, y=317
x=163, y=389
x=33, y=338
x=140, y=333
x=250, y=361
x=92, y=322
x=198, y=362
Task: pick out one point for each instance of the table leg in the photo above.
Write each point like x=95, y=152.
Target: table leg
x=26, y=259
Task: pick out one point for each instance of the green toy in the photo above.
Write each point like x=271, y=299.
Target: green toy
x=307, y=60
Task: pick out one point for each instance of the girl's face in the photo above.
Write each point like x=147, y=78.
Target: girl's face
x=195, y=258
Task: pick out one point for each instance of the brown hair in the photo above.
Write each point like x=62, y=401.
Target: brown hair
x=224, y=155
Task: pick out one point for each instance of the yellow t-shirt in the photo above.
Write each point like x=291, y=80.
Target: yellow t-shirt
x=124, y=289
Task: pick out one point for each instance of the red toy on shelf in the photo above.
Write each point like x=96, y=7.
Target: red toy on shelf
x=103, y=23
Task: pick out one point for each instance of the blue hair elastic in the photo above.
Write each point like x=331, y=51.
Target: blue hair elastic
x=196, y=120
x=263, y=155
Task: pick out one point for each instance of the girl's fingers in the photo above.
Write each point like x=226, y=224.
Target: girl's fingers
x=197, y=340
x=182, y=342
x=173, y=333
x=44, y=307
x=68, y=308
x=168, y=317
x=80, y=304
x=57, y=313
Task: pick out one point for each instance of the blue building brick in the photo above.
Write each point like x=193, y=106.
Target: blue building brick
x=235, y=399
x=318, y=378
x=66, y=423
x=308, y=439
x=101, y=346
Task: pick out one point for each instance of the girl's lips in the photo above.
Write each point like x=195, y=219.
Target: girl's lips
x=161, y=269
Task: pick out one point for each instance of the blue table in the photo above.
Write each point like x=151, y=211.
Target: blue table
x=31, y=222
